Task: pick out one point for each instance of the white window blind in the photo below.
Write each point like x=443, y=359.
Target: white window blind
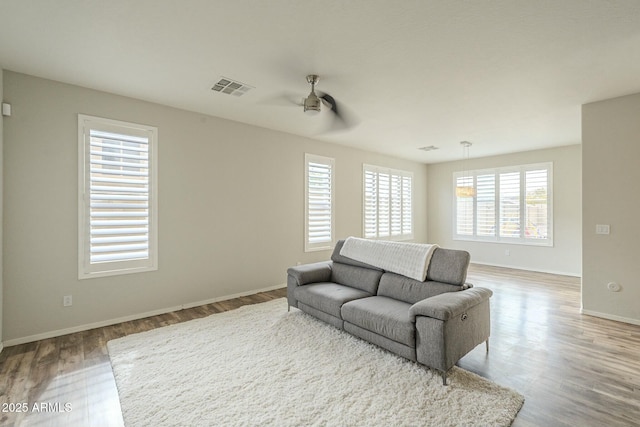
x=464, y=208
x=407, y=209
x=319, y=206
x=387, y=203
x=512, y=205
x=117, y=197
x=486, y=206
x=537, y=203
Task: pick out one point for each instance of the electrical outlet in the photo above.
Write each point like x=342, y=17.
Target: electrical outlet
x=67, y=300
x=507, y=252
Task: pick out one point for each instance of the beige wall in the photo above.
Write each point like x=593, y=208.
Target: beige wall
x=610, y=154
x=230, y=208
x=563, y=258
x=1, y=222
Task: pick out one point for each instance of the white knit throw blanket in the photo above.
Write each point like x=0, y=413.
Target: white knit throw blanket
x=408, y=259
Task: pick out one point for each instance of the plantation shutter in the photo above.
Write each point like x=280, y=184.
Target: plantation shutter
x=396, y=205
x=486, y=205
x=319, y=203
x=119, y=194
x=370, y=204
x=384, y=199
x=464, y=208
x=537, y=204
x=387, y=203
x=118, y=200
x=407, y=208
x=510, y=204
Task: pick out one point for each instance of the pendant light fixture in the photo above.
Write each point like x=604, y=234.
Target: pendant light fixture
x=465, y=190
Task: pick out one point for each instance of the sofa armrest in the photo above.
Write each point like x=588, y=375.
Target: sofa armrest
x=450, y=304
x=311, y=273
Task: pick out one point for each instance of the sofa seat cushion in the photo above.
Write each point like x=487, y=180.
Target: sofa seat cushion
x=328, y=297
x=384, y=316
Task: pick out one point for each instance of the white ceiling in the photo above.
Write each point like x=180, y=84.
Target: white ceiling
x=507, y=75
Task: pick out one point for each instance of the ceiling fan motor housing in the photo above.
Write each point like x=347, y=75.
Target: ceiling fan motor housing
x=312, y=104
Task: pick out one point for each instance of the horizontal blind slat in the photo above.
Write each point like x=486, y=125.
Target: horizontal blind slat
x=124, y=256
x=119, y=239
x=114, y=222
x=118, y=164
x=116, y=231
x=99, y=171
x=118, y=248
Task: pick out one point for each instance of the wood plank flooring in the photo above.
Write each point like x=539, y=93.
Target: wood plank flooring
x=574, y=370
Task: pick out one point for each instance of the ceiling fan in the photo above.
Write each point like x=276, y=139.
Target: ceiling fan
x=312, y=102
x=312, y=105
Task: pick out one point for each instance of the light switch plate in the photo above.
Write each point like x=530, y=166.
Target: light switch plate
x=602, y=229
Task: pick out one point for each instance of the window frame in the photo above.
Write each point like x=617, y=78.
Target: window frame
x=86, y=269
x=521, y=170
x=310, y=246
x=402, y=175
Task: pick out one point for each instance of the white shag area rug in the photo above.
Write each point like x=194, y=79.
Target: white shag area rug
x=261, y=365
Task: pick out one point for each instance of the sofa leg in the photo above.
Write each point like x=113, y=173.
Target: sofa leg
x=444, y=378
x=487, y=345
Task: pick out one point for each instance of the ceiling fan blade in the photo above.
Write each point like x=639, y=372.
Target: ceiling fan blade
x=284, y=99
x=342, y=119
x=330, y=102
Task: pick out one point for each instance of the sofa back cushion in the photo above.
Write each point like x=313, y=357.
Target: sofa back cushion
x=449, y=266
x=410, y=290
x=361, y=278
x=336, y=257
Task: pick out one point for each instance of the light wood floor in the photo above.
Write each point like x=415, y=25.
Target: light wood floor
x=574, y=370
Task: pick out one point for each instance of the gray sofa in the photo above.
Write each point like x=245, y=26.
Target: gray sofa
x=435, y=322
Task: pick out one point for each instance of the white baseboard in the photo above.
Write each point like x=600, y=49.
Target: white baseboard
x=610, y=317
x=515, y=267
x=86, y=327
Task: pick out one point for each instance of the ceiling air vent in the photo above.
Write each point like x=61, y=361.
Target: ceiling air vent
x=429, y=148
x=231, y=87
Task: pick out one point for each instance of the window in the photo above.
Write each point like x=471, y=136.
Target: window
x=117, y=190
x=511, y=205
x=387, y=203
x=319, y=206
